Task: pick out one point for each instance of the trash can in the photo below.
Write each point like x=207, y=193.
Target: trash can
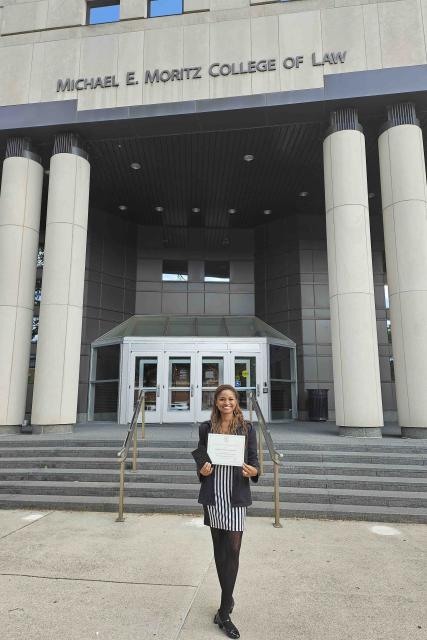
x=318, y=404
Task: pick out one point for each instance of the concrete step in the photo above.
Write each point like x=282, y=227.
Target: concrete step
x=188, y=506
x=373, y=483
x=188, y=465
x=151, y=453
x=401, y=446
x=191, y=491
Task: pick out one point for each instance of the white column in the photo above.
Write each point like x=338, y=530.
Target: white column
x=358, y=403
x=58, y=350
x=20, y=202
x=404, y=201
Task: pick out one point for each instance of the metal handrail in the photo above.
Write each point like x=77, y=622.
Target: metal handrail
x=131, y=436
x=276, y=456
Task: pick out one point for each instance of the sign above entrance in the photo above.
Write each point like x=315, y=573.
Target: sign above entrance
x=215, y=70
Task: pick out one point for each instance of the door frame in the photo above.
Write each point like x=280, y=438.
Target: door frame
x=178, y=416
x=150, y=416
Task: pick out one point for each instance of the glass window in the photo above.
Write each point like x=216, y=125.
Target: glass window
x=386, y=298
x=175, y=271
x=146, y=379
x=244, y=378
x=100, y=11
x=105, y=383
x=40, y=257
x=217, y=271
x=38, y=292
x=280, y=382
x=35, y=332
x=165, y=7
x=212, y=377
x=179, y=384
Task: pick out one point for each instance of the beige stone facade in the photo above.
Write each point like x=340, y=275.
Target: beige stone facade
x=253, y=70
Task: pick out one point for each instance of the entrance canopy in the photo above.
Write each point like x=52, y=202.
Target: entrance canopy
x=194, y=326
x=180, y=360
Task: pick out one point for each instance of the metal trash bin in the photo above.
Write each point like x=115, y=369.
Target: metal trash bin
x=318, y=404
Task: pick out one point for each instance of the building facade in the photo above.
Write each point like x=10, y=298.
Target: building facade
x=236, y=159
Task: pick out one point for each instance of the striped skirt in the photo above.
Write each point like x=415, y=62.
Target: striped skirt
x=222, y=515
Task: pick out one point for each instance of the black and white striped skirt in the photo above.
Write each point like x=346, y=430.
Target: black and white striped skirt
x=222, y=515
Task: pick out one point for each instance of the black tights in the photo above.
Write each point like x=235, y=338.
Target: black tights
x=226, y=550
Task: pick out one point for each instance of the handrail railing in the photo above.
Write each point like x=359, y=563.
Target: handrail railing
x=265, y=435
x=131, y=436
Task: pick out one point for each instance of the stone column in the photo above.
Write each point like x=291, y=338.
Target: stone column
x=358, y=403
x=404, y=201
x=20, y=202
x=58, y=350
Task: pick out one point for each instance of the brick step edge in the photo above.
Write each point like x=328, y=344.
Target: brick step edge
x=29, y=441
x=183, y=506
x=110, y=489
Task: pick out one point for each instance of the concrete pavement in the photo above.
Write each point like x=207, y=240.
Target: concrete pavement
x=83, y=576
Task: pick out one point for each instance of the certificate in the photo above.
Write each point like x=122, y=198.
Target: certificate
x=226, y=449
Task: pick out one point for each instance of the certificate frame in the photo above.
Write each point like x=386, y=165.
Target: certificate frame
x=226, y=449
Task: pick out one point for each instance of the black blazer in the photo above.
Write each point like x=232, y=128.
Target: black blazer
x=241, y=494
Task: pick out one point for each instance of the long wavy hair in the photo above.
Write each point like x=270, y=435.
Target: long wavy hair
x=237, y=420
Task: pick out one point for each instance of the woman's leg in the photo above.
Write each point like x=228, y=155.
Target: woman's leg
x=218, y=539
x=232, y=541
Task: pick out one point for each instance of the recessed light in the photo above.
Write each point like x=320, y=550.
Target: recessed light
x=303, y=194
x=159, y=209
x=248, y=157
x=371, y=195
x=195, y=210
x=267, y=212
x=226, y=241
x=135, y=165
x=46, y=172
x=122, y=207
x=232, y=211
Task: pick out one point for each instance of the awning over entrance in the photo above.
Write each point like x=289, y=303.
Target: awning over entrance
x=179, y=361
x=194, y=326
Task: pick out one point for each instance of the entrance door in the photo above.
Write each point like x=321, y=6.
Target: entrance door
x=145, y=371
x=210, y=374
x=179, y=402
x=246, y=371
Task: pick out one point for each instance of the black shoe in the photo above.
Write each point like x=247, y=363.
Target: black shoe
x=229, y=629
x=232, y=605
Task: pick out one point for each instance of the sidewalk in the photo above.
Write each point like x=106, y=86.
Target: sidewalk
x=82, y=576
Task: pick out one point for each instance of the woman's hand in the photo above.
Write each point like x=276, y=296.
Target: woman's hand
x=207, y=469
x=249, y=471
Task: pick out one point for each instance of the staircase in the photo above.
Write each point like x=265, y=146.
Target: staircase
x=371, y=481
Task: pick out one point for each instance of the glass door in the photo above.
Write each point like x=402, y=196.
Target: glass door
x=145, y=374
x=246, y=371
x=210, y=374
x=179, y=387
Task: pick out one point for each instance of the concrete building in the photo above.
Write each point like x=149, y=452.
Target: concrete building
x=235, y=192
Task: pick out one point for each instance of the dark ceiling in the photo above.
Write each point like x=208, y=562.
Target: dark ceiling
x=206, y=169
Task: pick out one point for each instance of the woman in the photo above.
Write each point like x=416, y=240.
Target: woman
x=225, y=494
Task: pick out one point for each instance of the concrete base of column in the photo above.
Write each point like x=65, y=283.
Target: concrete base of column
x=53, y=428
x=414, y=432
x=5, y=429
x=361, y=432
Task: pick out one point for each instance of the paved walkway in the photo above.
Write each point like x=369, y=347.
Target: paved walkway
x=82, y=576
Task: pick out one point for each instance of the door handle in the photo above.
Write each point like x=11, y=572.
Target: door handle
x=192, y=390
x=158, y=391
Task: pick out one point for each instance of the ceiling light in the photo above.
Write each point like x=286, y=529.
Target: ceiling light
x=122, y=207
x=248, y=157
x=135, y=165
x=159, y=209
x=226, y=241
x=195, y=210
x=303, y=194
x=267, y=212
x=371, y=195
x=232, y=211
x=46, y=172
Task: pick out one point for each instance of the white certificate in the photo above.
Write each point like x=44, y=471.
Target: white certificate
x=226, y=449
